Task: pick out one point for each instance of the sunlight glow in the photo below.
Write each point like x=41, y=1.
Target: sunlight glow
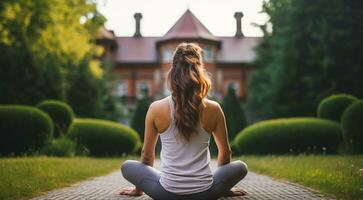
x=160, y=15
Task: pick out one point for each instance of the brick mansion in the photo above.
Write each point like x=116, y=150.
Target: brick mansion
x=142, y=62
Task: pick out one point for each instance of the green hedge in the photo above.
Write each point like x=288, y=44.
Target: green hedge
x=61, y=114
x=104, y=138
x=290, y=136
x=332, y=107
x=61, y=147
x=352, y=125
x=23, y=129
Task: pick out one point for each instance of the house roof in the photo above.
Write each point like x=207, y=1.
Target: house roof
x=145, y=49
x=237, y=50
x=136, y=50
x=188, y=26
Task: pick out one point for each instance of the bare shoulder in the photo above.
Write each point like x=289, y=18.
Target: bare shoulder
x=158, y=104
x=212, y=105
x=158, y=112
x=211, y=115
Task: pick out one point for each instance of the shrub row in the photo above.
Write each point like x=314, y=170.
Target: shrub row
x=352, y=125
x=333, y=106
x=289, y=136
x=348, y=110
x=23, y=129
x=27, y=130
x=339, y=126
x=61, y=147
x=104, y=138
x=61, y=114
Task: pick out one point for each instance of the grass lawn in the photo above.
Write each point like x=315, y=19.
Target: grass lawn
x=25, y=177
x=341, y=176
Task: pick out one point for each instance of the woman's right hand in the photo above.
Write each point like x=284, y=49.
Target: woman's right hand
x=236, y=191
x=132, y=191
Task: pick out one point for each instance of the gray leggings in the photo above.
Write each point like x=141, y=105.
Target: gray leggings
x=147, y=179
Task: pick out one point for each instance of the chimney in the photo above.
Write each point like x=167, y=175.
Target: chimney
x=238, y=16
x=137, y=17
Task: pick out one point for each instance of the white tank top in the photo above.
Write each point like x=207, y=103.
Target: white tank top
x=184, y=165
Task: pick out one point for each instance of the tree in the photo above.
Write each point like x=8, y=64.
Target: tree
x=84, y=94
x=313, y=51
x=111, y=108
x=138, y=120
x=234, y=114
x=40, y=43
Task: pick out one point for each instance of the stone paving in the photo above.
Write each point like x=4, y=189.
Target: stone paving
x=107, y=187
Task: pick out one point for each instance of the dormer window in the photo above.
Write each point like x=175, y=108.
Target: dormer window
x=208, y=54
x=167, y=55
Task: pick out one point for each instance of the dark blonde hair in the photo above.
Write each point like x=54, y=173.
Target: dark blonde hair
x=189, y=83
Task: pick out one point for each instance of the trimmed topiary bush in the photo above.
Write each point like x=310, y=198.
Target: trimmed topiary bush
x=61, y=147
x=290, y=136
x=23, y=129
x=352, y=125
x=332, y=107
x=104, y=138
x=61, y=114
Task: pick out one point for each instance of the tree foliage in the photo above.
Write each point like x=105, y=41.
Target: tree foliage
x=314, y=50
x=84, y=94
x=40, y=42
x=138, y=120
x=111, y=107
x=234, y=114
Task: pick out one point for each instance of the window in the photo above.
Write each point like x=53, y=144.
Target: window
x=208, y=54
x=121, y=88
x=142, y=89
x=167, y=55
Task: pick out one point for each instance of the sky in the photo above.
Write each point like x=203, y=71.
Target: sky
x=160, y=15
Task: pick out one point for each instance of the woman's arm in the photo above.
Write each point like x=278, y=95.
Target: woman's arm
x=220, y=135
x=150, y=137
x=148, y=149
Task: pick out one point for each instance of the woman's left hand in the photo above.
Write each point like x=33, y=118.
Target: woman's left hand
x=132, y=191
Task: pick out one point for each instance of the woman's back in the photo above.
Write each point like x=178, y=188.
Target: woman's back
x=185, y=164
x=184, y=121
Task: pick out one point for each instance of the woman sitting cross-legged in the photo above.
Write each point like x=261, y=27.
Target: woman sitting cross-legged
x=185, y=120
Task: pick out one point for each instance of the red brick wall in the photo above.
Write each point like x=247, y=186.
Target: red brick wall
x=221, y=74
x=134, y=73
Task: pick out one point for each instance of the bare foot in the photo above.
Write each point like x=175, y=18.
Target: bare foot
x=235, y=191
x=132, y=191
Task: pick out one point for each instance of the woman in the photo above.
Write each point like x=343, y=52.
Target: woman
x=185, y=120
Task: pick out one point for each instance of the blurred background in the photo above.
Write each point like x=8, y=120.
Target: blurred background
x=108, y=59
x=77, y=78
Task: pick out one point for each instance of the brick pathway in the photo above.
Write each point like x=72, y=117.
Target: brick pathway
x=107, y=187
